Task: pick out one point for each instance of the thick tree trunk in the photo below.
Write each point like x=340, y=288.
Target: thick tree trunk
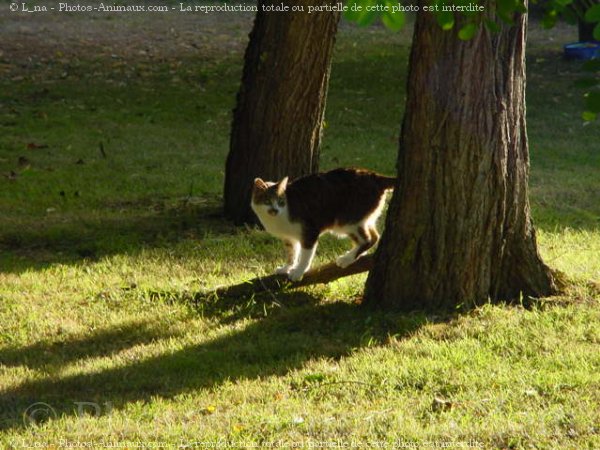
x=276, y=128
x=458, y=229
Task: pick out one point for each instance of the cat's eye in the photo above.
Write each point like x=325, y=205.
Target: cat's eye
x=281, y=202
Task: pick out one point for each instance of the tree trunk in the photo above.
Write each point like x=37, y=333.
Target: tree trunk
x=585, y=29
x=276, y=128
x=458, y=229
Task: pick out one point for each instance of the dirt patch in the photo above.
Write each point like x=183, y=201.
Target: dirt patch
x=144, y=36
x=38, y=37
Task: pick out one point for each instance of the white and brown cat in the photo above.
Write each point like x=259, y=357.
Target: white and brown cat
x=346, y=202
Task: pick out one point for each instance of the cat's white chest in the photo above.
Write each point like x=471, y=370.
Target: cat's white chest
x=279, y=225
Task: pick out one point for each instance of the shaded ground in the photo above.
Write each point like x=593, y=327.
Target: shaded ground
x=29, y=39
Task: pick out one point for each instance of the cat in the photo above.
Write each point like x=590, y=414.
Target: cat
x=346, y=202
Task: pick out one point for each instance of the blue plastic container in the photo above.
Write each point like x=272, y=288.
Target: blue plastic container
x=582, y=50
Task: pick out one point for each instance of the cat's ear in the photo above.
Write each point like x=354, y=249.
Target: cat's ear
x=260, y=185
x=282, y=186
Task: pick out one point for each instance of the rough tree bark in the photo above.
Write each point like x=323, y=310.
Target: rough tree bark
x=276, y=128
x=458, y=229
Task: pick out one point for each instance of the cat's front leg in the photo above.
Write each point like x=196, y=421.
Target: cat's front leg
x=304, y=261
x=307, y=253
x=293, y=250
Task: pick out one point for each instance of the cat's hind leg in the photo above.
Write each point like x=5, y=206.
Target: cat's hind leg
x=293, y=251
x=364, y=238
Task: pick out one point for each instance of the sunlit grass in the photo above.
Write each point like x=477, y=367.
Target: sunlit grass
x=98, y=291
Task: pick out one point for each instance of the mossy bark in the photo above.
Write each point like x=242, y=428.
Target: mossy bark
x=459, y=229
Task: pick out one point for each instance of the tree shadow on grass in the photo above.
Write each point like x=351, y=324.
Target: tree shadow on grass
x=275, y=345
x=105, y=342
x=76, y=241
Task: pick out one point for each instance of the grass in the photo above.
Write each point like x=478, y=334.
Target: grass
x=101, y=257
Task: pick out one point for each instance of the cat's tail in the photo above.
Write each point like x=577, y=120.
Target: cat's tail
x=386, y=183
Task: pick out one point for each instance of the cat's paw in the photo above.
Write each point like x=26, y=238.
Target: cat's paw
x=281, y=270
x=295, y=274
x=345, y=260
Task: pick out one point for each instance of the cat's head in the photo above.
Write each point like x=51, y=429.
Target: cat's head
x=269, y=197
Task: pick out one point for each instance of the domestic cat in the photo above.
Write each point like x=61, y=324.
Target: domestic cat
x=346, y=202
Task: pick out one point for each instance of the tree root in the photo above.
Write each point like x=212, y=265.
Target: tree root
x=277, y=282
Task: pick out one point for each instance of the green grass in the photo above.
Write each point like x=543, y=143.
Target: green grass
x=98, y=284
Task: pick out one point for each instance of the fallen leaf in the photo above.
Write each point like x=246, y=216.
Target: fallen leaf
x=34, y=146
x=210, y=409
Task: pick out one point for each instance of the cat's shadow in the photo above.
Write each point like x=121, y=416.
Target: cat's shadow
x=227, y=309
x=280, y=343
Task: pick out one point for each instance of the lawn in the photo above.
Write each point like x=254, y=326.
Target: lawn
x=113, y=137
